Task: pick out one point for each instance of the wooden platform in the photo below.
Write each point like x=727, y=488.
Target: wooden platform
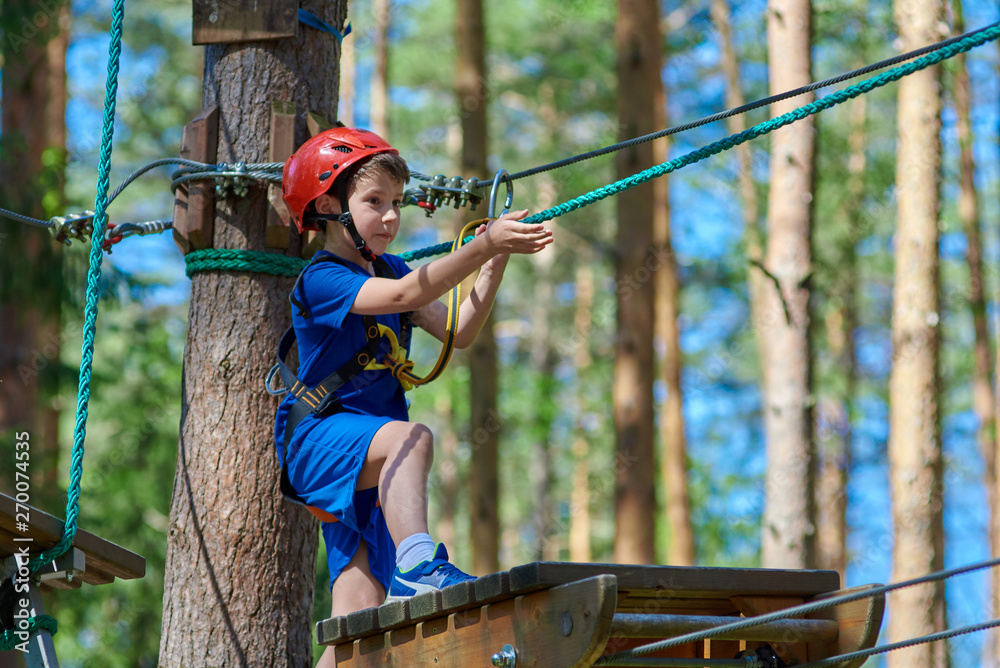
x=560, y=615
x=103, y=561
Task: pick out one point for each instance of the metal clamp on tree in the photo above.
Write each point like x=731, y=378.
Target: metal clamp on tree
x=458, y=192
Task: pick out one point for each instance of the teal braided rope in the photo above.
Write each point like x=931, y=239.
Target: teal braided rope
x=949, y=51
x=10, y=640
x=93, y=294
x=224, y=259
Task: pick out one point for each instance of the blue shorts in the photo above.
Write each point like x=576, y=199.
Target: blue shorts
x=326, y=456
x=342, y=540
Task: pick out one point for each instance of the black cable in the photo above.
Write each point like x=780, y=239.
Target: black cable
x=747, y=107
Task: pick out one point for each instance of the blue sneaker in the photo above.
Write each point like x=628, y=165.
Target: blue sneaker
x=426, y=576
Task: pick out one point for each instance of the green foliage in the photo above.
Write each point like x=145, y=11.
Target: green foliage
x=128, y=478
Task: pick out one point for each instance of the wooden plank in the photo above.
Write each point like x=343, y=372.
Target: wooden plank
x=722, y=649
x=228, y=21
x=563, y=627
x=791, y=649
x=104, y=559
x=669, y=626
x=672, y=582
x=277, y=234
x=859, y=622
x=194, y=202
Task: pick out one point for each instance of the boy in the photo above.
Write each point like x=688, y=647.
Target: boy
x=366, y=464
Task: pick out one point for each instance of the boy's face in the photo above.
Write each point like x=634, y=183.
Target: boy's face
x=374, y=206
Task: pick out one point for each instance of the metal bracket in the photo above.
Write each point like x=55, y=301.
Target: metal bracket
x=77, y=226
x=505, y=658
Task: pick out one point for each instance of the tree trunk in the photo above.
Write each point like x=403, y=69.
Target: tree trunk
x=915, y=465
x=32, y=169
x=470, y=89
x=238, y=584
x=579, y=515
x=753, y=247
x=835, y=435
x=992, y=646
x=673, y=467
x=982, y=387
x=348, y=67
x=789, y=508
x=639, y=60
x=380, y=76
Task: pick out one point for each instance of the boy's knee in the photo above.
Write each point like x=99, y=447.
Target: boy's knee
x=423, y=439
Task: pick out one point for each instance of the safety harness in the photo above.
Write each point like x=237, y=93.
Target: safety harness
x=320, y=400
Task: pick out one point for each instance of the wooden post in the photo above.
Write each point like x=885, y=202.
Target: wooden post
x=228, y=21
x=194, y=202
x=278, y=232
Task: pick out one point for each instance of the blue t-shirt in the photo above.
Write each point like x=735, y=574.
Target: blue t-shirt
x=332, y=335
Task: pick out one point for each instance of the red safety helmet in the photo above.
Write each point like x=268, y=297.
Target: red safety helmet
x=313, y=169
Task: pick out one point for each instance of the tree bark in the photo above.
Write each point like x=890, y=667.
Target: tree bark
x=579, y=516
x=348, y=88
x=32, y=169
x=835, y=435
x=471, y=92
x=380, y=75
x=789, y=521
x=639, y=60
x=673, y=467
x=238, y=587
x=982, y=386
x=915, y=465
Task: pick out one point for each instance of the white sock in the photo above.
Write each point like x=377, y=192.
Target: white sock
x=414, y=549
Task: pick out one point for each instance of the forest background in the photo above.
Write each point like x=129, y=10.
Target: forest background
x=552, y=93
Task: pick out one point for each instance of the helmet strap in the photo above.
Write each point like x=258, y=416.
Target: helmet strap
x=347, y=221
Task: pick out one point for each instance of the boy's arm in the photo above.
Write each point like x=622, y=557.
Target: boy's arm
x=476, y=306
x=426, y=284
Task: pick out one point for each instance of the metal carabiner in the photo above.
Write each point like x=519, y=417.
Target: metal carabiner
x=501, y=176
x=267, y=382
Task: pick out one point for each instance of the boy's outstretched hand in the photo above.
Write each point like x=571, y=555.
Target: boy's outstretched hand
x=507, y=235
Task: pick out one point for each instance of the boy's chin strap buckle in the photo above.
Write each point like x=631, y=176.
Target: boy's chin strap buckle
x=347, y=221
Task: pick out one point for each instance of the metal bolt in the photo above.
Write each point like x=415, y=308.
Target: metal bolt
x=505, y=658
x=567, y=623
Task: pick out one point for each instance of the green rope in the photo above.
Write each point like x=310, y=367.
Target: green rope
x=231, y=260
x=10, y=639
x=223, y=259
x=90, y=312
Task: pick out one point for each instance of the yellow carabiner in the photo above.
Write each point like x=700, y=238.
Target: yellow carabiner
x=396, y=362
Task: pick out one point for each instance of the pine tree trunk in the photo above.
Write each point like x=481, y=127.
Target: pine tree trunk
x=746, y=187
x=238, y=587
x=471, y=93
x=915, y=465
x=579, y=516
x=680, y=543
x=982, y=387
x=637, y=39
x=348, y=66
x=789, y=508
x=835, y=437
x=380, y=75
x=992, y=646
x=32, y=167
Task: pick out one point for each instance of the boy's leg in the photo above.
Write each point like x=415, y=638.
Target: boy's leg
x=399, y=462
x=354, y=589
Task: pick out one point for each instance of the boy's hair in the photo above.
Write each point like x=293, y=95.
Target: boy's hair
x=389, y=164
